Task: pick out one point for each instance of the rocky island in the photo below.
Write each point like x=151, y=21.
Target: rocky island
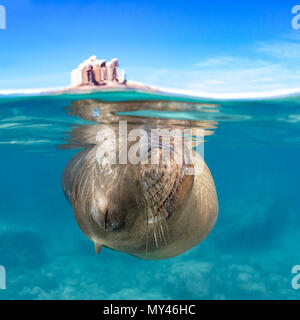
x=97, y=74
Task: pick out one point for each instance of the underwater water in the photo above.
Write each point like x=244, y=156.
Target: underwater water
x=253, y=153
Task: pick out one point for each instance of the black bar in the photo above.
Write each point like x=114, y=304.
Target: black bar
x=90, y=310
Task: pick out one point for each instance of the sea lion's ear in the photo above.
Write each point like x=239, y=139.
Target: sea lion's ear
x=164, y=188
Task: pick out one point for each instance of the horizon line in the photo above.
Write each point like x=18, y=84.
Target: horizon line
x=165, y=90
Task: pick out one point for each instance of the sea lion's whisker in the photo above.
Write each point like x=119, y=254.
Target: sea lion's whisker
x=156, y=221
x=159, y=227
x=93, y=180
x=154, y=229
x=166, y=213
x=83, y=183
x=161, y=220
x=149, y=207
x=140, y=206
x=163, y=234
x=147, y=235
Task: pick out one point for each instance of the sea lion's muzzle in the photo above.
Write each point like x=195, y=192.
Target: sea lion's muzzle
x=110, y=212
x=109, y=219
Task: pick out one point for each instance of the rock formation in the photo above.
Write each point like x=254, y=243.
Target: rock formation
x=97, y=72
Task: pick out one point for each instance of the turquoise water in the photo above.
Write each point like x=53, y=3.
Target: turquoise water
x=253, y=154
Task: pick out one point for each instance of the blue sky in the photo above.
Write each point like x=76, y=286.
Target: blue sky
x=202, y=46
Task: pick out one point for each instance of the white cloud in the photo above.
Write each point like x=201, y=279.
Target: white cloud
x=216, y=62
x=231, y=81
x=280, y=49
x=267, y=69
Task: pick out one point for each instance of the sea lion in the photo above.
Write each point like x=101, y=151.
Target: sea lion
x=151, y=211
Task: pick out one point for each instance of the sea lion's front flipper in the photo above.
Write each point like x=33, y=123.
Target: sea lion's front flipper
x=98, y=247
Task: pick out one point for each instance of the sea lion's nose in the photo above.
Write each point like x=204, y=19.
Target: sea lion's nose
x=108, y=219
